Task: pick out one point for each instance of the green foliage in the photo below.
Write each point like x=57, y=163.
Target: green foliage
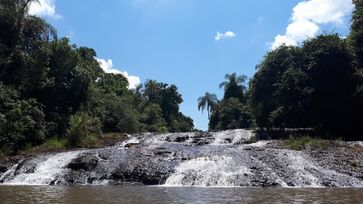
x=312, y=86
x=232, y=115
x=52, y=89
x=21, y=121
x=304, y=142
x=208, y=101
x=120, y=115
x=152, y=118
x=113, y=84
x=267, y=83
x=168, y=99
x=82, y=129
x=232, y=112
x=20, y=36
x=317, y=85
x=331, y=77
x=356, y=40
x=234, y=86
x=356, y=35
x=55, y=143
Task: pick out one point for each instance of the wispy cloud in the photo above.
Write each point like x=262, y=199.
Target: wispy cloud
x=309, y=15
x=44, y=8
x=107, y=67
x=228, y=34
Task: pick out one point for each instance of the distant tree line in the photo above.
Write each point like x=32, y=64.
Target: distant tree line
x=316, y=85
x=50, y=88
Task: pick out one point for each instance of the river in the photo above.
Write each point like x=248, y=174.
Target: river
x=141, y=194
x=219, y=167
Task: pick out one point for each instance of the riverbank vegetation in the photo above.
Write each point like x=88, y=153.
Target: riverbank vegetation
x=55, y=93
x=317, y=85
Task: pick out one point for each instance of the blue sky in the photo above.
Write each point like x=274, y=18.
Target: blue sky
x=175, y=41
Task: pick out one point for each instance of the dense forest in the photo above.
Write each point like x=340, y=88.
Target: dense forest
x=50, y=89
x=317, y=85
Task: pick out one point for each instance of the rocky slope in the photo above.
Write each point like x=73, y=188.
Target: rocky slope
x=228, y=158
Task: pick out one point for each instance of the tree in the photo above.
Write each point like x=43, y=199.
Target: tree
x=120, y=115
x=168, y=98
x=209, y=102
x=69, y=85
x=233, y=115
x=152, y=91
x=115, y=84
x=267, y=83
x=356, y=34
x=22, y=122
x=152, y=118
x=234, y=86
x=356, y=39
x=19, y=33
x=81, y=127
x=331, y=72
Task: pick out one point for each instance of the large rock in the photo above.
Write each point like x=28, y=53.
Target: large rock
x=85, y=162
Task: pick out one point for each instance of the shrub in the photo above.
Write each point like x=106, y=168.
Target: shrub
x=81, y=127
x=303, y=142
x=22, y=122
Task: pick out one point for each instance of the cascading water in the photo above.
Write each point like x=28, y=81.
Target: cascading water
x=208, y=171
x=47, y=170
x=183, y=159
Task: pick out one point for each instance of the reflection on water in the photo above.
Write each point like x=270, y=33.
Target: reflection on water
x=137, y=194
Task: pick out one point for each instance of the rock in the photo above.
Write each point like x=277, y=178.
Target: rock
x=163, y=153
x=85, y=162
x=181, y=139
x=177, y=138
x=3, y=169
x=131, y=145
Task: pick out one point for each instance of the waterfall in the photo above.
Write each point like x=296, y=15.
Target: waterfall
x=208, y=171
x=44, y=173
x=210, y=159
x=238, y=136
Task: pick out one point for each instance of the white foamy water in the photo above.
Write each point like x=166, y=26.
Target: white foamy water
x=46, y=171
x=238, y=136
x=258, y=144
x=9, y=172
x=208, y=171
x=132, y=140
x=307, y=173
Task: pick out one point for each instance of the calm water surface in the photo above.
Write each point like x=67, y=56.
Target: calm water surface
x=119, y=194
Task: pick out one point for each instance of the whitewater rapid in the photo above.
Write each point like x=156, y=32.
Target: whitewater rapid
x=213, y=159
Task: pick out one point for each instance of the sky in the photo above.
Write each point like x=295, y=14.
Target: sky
x=190, y=43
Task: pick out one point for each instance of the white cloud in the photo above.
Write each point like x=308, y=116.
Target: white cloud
x=309, y=15
x=107, y=67
x=228, y=34
x=44, y=8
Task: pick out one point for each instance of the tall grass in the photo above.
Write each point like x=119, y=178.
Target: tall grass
x=304, y=142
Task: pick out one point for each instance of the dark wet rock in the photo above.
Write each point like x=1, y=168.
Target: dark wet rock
x=3, y=169
x=177, y=138
x=86, y=162
x=30, y=170
x=131, y=145
x=163, y=153
x=200, y=159
x=340, y=157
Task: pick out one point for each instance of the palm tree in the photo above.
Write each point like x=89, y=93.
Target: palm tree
x=151, y=90
x=209, y=102
x=23, y=28
x=234, y=86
